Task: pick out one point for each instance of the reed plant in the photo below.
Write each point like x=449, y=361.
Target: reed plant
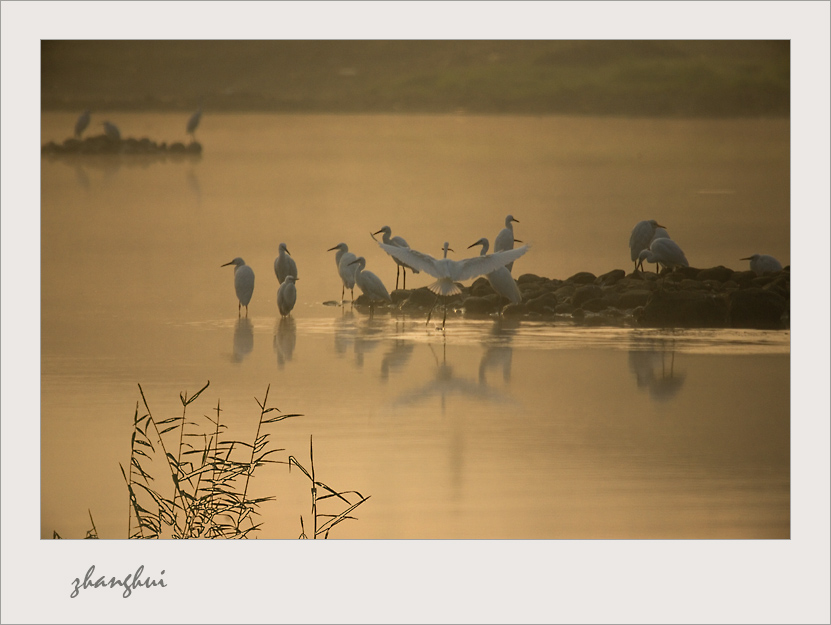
x=187, y=479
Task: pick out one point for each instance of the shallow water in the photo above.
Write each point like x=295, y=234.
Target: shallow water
x=490, y=429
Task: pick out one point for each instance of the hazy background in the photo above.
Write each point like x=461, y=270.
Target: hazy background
x=634, y=78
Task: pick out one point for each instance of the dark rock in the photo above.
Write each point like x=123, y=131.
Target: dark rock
x=539, y=304
x=743, y=278
x=633, y=299
x=565, y=291
x=720, y=273
x=514, y=310
x=757, y=308
x=585, y=293
x=584, y=277
x=595, y=305
x=419, y=298
x=610, y=278
x=687, y=272
x=685, y=309
x=690, y=285
x=529, y=277
x=399, y=295
x=479, y=305
x=564, y=309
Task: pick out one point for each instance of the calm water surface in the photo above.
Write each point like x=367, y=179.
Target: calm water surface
x=488, y=430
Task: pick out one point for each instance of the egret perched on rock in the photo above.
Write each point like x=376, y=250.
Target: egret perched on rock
x=500, y=279
x=82, y=123
x=641, y=238
x=369, y=283
x=450, y=271
x=286, y=295
x=760, y=263
x=111, y=130
x=505, y=239
x=193, y=122
x=397, y=242
x=666, y=252
x=284, y=264
x=660, y=233
x=346, y=270
x=243, y=283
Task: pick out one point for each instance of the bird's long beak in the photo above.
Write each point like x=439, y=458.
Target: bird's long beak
x=517, y=241
x=333, y=248
x=226, y=264
x=660, y=226
x=748, y=258
x=287, y=252
x=471, y=245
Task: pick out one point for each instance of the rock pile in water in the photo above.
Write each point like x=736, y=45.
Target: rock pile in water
x=685, y=298
x=102, y=145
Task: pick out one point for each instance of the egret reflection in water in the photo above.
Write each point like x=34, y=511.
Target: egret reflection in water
x=243, y=339
x=447, y=384
x=396, y=357
x=654, y=369
x=285, y=339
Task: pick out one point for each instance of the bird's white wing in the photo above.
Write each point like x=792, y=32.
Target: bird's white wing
x=413, y=258
x=481, y=265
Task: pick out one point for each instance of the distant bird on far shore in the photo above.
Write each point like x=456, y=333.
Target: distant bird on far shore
x=760, y=263
x=641, y=238
x=112, y=131
x=286, y=296
x=193, y=122
x=666, y=252
x=284, y=264
x=243, y=283
x=82, y=123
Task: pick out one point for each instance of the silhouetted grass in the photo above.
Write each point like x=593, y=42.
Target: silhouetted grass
x=202, y=488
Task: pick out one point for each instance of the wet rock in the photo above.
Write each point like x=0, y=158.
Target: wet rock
x=564, y=309
x=757, y=308
x=565, y=291
x=720, y=273
x=684, y=309
x=584, y=277
x=690, y=285
x=513, y=310
x=743, y=278
x=543, y=302
x=399, y=295
x=585, y=293
x=529, y=277
x=481, y=287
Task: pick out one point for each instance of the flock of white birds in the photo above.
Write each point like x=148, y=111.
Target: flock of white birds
x=648, y=242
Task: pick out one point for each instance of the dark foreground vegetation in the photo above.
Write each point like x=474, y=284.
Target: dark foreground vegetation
x=631, y=78
x=187, y=479
x=685, y=298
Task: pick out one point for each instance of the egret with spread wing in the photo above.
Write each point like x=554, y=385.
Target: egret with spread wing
x=397, y=242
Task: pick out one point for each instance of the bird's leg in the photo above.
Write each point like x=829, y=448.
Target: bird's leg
x=342, y=293
x=430, y=314
x=405, y=278
x=239, y=310
x=397, y=271
x=444, y=319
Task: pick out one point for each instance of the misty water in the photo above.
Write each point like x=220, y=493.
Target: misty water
x=493, y=428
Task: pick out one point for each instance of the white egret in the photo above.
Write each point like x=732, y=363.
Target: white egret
x=284, y=264
x=760, y=263
x=666, y=252
x=193, y=122
x=346, y=271
x=450, y=271
x=243, y=283
x=641, y=238
x=369, y=283
x=500, y=279
x=111, y=130
x=286, y=296
x=505, y=239
x=660, y=233
x=82, y=123
x=398, y=242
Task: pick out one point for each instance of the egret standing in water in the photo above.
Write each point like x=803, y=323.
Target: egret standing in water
x=284, y=264
x=500, y=279
x=243, y=283
x=760, y=263
x=397, y=242
x=641, y=238
x=369, y=283
x=82, y=123
x=448, y=271
x=286, y=296
x=193, y=122
x=346, y=270
x=505, y=239
x=112, y=131
x=666, y=252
